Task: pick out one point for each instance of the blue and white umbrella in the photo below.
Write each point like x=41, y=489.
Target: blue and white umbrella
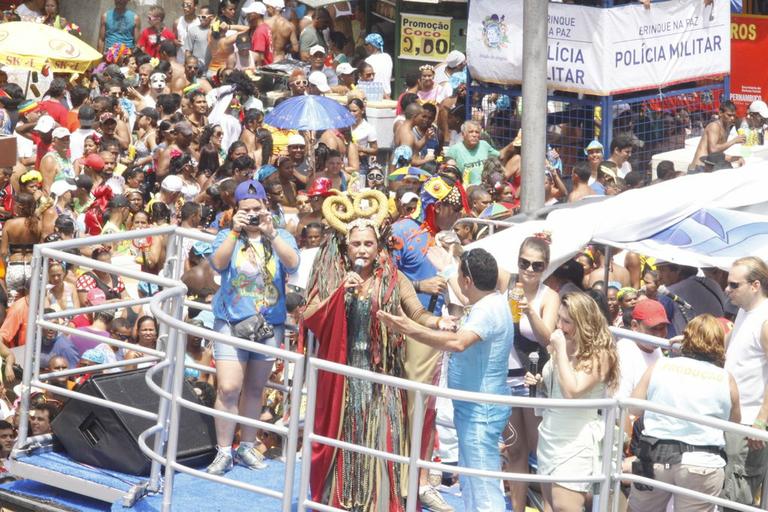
x=309, y=113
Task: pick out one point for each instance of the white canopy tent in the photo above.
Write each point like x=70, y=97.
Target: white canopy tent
x=698, y=220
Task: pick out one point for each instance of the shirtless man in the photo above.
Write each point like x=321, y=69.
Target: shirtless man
x=178, y=79
x=191, y=64
x=285, y=40
x=405, y=134
x=715, y=137
x=616, y=272
x=223, y=47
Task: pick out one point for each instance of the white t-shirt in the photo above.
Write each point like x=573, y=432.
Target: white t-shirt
x=625, y=169
x=746, y=360
x=364, y=133
x=77, y=141
x=382, y=66
x=633, y=363
x=182, y=28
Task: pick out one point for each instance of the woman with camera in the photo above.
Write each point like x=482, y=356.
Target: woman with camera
x=253, y=259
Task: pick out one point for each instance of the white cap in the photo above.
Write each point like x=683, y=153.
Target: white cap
x=254, y=103
x=760, y=107
x=408, y=197
x=318, y=79
x=45, y=124
x=296, y=140
x=60, y=187
x=455, y=58
x=172, y=183
x=277, y=4
x=255, y=8
x=316, y=48
x=345, y=68
x=60, y=132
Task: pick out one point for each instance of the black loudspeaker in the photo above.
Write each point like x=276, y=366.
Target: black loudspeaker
x=108, y=438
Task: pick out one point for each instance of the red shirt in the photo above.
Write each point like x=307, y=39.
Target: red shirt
x=42, y=148
x=148, y=40
x=261, y=41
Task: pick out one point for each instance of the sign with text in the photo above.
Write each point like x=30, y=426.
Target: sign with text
x=604, y=51
x=424, y=37
x=749, y=79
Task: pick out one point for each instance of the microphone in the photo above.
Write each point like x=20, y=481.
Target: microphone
x=667, y=293
x=357, y=267
x=533, y=367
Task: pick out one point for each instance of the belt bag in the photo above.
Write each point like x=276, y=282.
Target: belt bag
x=254, y=328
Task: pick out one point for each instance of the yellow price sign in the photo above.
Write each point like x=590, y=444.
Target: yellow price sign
x=424, y=37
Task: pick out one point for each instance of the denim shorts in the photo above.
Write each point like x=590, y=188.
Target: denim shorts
x=519, y=390
x=226, y=352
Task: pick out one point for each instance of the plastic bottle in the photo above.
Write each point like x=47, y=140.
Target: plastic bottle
x=516, y=294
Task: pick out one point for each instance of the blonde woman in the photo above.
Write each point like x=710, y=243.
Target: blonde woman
x=584, y=364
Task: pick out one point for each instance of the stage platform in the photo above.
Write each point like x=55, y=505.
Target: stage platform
x=190, y=493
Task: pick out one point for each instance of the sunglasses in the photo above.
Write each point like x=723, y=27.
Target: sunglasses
x=300, y=82
x=537, y=266
x=735, y=286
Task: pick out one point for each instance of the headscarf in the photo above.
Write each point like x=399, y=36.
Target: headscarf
x=375, y=40
x=265, y=171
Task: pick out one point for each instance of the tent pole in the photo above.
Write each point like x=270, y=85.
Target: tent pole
x=26, y=88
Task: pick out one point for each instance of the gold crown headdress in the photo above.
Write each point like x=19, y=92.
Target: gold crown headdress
x=345, y=211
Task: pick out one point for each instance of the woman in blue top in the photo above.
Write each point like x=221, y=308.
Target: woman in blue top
x=253, y=260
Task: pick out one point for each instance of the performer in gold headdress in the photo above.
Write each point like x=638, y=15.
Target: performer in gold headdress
x=352, y=278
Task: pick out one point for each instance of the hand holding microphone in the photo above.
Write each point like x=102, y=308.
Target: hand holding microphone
x=533, y=369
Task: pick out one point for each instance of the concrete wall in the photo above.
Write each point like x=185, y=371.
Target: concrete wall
x=86, y=13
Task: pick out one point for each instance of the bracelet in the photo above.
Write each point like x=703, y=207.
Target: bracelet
x=234, y=235
x=417, y=286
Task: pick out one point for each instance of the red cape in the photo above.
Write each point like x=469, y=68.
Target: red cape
x=329, y=323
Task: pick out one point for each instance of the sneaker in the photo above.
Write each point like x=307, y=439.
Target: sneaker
x=252, y=458
x=431, y=499
x=220, y=465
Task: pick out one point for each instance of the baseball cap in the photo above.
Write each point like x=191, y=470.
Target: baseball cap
x=86, y=116
x=250, y=189
x=408, y=197
x=296, y=140
x=760, y=107
x=45, y=124
x=316, y=49
x=345, y=68
x=650, y=312
x=319, y=80
x=202, y=248
x=320, y=187
x=61, y=187
x=172, y=183
x=243, y=41
x=455, y=59
x=94, y=161
x=60, y=133
x=277, y=4
x=84, y=181
x=255, y=8
x=96, y=296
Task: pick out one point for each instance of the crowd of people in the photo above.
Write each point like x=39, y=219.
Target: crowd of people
x=329, y=233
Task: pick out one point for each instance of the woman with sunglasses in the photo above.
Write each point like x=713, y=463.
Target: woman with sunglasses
x=297, y=83
x=584, y=364
x=539, y=307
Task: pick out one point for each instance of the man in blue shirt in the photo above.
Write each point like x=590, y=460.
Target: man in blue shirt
x=480, y=350
x=443, y=203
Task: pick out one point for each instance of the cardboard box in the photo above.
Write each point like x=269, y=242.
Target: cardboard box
x=7, y=151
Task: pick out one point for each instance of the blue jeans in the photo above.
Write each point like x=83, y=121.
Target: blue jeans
x=479, y=449
x=224, y=352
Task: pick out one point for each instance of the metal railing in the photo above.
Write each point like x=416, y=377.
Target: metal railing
x=167, y=307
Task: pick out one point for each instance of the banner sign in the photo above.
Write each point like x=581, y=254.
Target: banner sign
x=604, y=51
x=749, y=40
x=424, y=37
